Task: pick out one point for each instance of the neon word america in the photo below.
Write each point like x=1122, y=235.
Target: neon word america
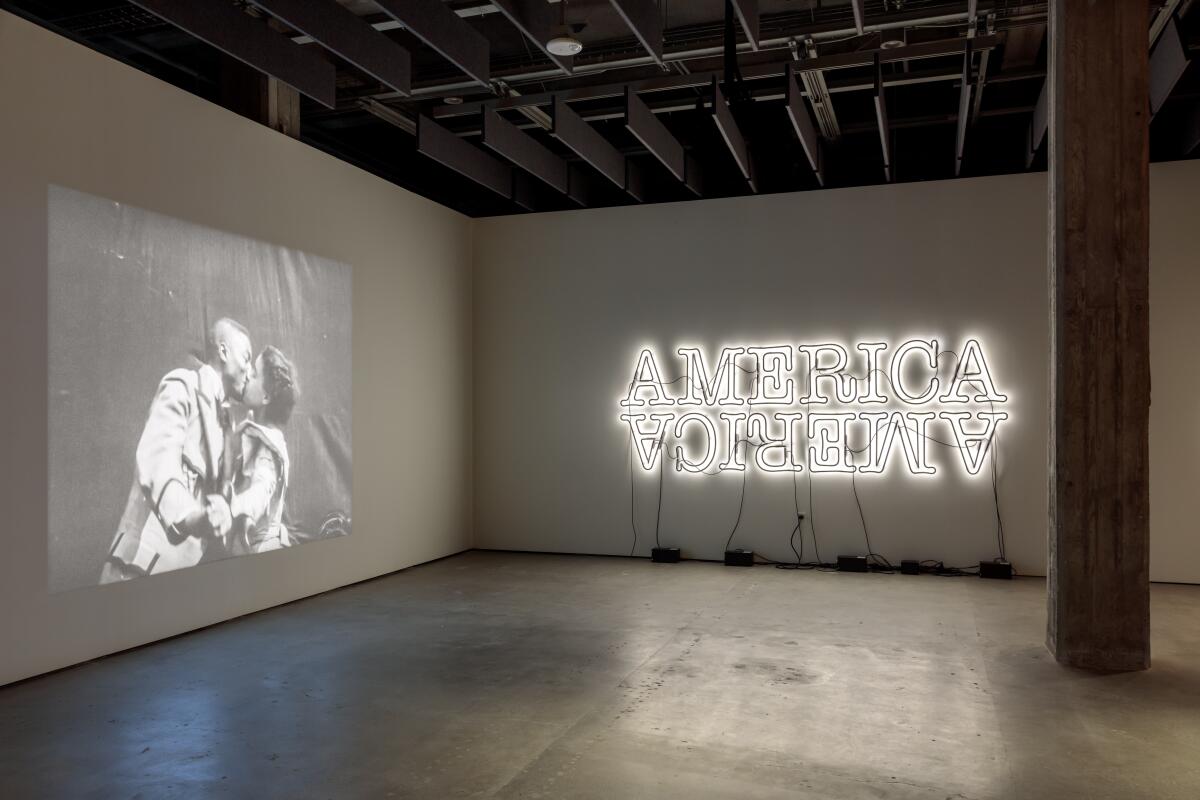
x=822, y=407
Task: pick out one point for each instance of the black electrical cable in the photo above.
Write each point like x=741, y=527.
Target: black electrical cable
x=741, y=502
x=658, y=514
x=632, y=502
x=821, y=564
x=941, y=570
x=996, y=498
x=927, y=437
x=861, y=517
x=798, y=528
x=871, y=554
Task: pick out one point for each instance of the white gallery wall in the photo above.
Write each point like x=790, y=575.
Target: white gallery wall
x=78, y=120
x=1174, y=373
x=564, y=302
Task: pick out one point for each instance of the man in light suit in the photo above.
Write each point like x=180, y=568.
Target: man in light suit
x=178, y=504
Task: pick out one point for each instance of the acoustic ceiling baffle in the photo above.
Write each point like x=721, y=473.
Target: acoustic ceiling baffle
x=806, y=132
x=811, y=70
x=347, y=35
x=645, y=20
x=582, y=186
x=732, y=135
x=964, y=91
x=587, y=143
x=449, y=150
x=1038, y=125
x=694, y=175
x=1165, y=14
x=436, y=25
x=648, y=129
x=523, y=192
x=538, y=22
x=964, y=111
x=635, y=182
x=507, y=140
x=252, y=42
x=881, y=119
x=1168, y=61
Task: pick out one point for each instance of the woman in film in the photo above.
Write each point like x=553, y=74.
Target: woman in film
x=260, y=483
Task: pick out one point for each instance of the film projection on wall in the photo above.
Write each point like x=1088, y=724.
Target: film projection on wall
x=200, y=394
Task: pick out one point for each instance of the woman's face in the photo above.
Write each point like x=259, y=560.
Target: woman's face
x=255, y=395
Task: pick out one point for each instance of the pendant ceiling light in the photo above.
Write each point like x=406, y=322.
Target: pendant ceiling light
x=564, y=42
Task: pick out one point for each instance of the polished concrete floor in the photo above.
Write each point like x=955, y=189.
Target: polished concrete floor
x=501, y=675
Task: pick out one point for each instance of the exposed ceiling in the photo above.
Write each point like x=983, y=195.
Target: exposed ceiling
x=828, y=93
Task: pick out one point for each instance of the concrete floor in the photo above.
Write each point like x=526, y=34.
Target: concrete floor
x=570, y=677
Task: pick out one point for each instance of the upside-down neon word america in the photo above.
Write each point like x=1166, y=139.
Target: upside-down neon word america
x=821, y=407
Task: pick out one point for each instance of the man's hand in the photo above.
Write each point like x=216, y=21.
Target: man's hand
x=216, y=509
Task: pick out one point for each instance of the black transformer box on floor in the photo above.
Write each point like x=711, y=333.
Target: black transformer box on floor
x=739, y=558
x=910, y=567
x=996, y=569
x=665, y=555
x=853, y=564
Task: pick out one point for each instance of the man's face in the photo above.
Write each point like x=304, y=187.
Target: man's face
x=237, y=363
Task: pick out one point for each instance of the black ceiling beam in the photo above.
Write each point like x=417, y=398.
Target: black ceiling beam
x=584, y=141
x=747, y=14
x=767, y=94
x=250, y=41
x=731, y=134
x=635, y=183
x=881, y=120
x=654, y=136
x=1168, y=62
x=964, y=112
x=536, y=21
x=436, y=25
x=1038, y=124
x=466, y=159
x=587, y=143
x=524, y=191
x=1165, y=14
x=797, y=111
x=507, y=140
x=866, y=58
x=693, y=175
x=347, y=35
x=645, y=20
x=581, y=186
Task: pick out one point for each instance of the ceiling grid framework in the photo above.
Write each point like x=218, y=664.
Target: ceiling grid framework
x=467, y=102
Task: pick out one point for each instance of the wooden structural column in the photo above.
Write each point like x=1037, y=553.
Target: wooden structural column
x=1099, y=592
x=264, y=99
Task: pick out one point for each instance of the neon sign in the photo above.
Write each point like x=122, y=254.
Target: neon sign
x=818, y=407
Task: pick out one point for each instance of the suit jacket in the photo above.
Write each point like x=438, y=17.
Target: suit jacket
x=178, y=463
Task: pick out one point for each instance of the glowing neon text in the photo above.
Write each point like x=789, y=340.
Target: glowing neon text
x=776, y=407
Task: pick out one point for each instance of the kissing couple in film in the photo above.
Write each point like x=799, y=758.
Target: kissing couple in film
x=211, y=465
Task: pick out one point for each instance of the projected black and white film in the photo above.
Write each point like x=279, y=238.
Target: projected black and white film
x=200, y=394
